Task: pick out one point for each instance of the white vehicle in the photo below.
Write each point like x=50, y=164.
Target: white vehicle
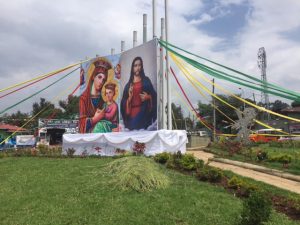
x=289, y=139
x=43, y=139
x=202, y=133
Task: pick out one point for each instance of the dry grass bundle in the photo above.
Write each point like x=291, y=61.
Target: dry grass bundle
x=137, y=173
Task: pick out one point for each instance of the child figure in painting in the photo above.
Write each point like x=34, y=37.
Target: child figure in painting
x=110, y=121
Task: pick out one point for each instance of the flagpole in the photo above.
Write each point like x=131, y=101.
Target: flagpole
x=167, y=70
x=154, y=18
x=163, y=79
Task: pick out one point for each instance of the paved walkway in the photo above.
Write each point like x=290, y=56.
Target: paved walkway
x=280, y=182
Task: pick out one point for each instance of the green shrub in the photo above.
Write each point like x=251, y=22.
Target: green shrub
x=188, y=162
x=235, y=182
x=256, y=209
x=70, y=152
x=199, y=164
x=210, y=174
x=281, y=158
x=178, y=161
x=43, y=149
x=17, y=153
x=174, y=161
x=275, y=144
x=162, y=157
x=242, y=187
x=23, y=152
x=57, y=151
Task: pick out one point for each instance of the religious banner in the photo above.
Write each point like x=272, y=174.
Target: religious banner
x=138, y=85
x=99, y=95
x=119, y=92
x=25, y=140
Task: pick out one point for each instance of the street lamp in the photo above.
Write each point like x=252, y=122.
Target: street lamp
x=243, y=96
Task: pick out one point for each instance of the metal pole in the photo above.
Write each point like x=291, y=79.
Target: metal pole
x=144, y=28
x=167, y=70
x=134, y=38
x=163, y=79
x=122, y=46
x=214, y=110
x=112, y=51
x=243, y=97
x=154, y=17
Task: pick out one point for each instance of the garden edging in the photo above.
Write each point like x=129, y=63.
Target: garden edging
x=258, y=168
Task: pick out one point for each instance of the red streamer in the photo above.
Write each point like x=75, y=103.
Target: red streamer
x=197, y=114
x=31, y=83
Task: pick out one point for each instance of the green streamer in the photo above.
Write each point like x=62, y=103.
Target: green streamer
x=10, y=107
x=262, y=83
x=224, y=76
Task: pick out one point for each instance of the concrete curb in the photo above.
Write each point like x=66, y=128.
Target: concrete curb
x=199, y=148
x=258, y=168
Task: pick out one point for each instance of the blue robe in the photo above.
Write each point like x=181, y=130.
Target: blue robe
x=147, y=114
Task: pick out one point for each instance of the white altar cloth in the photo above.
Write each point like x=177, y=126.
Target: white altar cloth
x=108, y=144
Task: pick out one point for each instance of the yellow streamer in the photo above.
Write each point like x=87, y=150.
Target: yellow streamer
x=42, y=110
x=42, y=76
x=255, y=120
x=189, y=107
x=247, y=102
x=181, y=67
x=199, y=119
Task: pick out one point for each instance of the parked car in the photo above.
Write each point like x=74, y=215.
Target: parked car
x=202, y=133
x=266, y=135
x=289, y=139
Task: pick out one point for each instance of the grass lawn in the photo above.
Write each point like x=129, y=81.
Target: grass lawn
x=293, y=168
x=76, y=191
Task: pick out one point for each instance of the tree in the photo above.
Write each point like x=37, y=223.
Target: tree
x=206, y=112
x=295, y=104
x=70, y=107
x=278, y=105
x=44, y=109
x=177, y=117
x=222, y=120
x=188, y=123
x=17, y=119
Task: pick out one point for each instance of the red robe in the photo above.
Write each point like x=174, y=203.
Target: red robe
x=87, y=109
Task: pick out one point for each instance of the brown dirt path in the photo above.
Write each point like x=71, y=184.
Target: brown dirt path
x=280, y=182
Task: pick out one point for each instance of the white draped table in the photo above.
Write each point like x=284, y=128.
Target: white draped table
x=109, y=144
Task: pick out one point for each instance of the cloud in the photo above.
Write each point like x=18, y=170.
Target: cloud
x=37, y=37
x=203, y=19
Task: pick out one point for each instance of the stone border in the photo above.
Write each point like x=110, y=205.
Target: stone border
x=258, y=168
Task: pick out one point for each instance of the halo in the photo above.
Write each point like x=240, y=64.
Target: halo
x=116, y=89
x=91, y=68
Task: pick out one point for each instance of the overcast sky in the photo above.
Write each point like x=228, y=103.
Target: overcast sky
x=37, y=37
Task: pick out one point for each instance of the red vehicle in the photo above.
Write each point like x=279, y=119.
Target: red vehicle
x=266, y=135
